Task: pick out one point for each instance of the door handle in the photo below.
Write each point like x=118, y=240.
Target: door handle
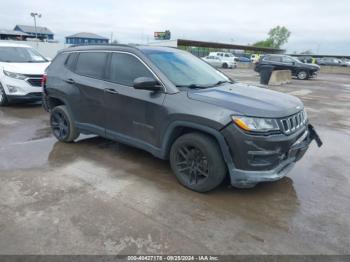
x=70, y=81
x=111, y=91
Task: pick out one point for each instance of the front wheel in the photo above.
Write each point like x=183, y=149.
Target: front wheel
x=302, y=75
x=62, y=125
x=225, y=65
x=197, y=162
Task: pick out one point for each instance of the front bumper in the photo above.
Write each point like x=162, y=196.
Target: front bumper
x=20, y=90
x=30, y=97
x=268, y=159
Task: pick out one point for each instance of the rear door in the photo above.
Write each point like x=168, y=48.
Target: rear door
x=88, y=106
x=131, y=114
x=276, y=61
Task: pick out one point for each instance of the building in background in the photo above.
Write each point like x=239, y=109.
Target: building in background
x=43, y=33
x=166, y=35
x=86, y=39
x=12, y=35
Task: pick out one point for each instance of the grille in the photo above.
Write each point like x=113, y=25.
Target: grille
x=293, y=123
x=34, y=80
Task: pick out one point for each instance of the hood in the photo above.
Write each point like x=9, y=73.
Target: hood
x=249, y=100
x=26, y=68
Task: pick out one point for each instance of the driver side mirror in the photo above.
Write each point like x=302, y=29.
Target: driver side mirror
x=147, y=83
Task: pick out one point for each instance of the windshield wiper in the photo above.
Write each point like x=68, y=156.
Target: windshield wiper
x=222, y=82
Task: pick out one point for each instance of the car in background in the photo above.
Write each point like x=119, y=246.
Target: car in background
x=254, y=58
x=346, y=61
x=301, y=70
x=21, y=70
x=217, y=61
x=331, y=61
x=225, y=55
x=243, y=59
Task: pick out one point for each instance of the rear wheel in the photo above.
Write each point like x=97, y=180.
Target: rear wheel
x=197, y=162
x=302, y=75
x=62, y=125
x=3, y=97
x=224, y=65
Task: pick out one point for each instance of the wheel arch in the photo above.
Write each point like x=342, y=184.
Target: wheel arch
x=179, y=128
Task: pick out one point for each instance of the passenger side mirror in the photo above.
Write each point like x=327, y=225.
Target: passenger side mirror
x=147, y=83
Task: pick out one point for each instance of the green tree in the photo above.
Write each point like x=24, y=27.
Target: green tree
x=278, y=36
x=264, y=43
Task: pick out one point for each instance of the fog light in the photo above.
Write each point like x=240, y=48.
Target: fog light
x=12, y=89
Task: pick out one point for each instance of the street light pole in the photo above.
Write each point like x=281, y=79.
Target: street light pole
x=34, y=15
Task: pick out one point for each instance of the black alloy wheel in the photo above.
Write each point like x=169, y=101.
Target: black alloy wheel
x=192, y=164
x=59, y=124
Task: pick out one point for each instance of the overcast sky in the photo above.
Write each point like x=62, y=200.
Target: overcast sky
x=317, y=25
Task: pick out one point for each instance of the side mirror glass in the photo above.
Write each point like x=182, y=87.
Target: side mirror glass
x=147, y=83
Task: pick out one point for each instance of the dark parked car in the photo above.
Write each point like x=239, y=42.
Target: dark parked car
x=244, y=59
x=331, y=61
x=283, y=62
x=177, y=107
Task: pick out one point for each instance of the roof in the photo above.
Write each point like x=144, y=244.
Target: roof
x=12, y=32
x=31, y=29
x=119, y=47
x=87, y=35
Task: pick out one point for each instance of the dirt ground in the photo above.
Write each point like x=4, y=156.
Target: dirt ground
x=100, y=197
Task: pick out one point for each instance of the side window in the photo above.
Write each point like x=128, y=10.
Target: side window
x=227, y=55
x=91, y=64
x=275, y=58
x=125, y=68
x=70, y=61
x=287, y=59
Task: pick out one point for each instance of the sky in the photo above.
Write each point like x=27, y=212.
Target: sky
x=322, y=26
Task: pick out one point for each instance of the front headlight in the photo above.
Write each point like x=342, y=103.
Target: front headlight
x=14, y=75
x=255, y=124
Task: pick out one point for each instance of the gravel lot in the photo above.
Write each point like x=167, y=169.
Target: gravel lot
x=100, y=197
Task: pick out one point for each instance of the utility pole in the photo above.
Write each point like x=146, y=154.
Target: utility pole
x=34, y=15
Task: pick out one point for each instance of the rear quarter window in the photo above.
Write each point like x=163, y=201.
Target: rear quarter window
x=70, y=61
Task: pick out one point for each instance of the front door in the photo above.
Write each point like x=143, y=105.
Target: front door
x=131, y=115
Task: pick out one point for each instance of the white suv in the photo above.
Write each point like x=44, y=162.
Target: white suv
x=225, y=56
x=216, y=61
x=21, y=69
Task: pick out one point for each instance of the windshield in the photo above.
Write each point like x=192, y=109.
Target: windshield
x=186, y=70
x=295, y=59
x=12, y=54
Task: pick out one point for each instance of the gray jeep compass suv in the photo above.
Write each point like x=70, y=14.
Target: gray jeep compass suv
x=177, y=107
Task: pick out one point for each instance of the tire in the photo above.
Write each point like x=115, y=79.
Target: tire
x=197, y=162
x=3, y=97
x=302, y=75
x=62, y=125
x=224, y=65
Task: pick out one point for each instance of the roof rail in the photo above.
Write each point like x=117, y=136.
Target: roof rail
x=125, y=45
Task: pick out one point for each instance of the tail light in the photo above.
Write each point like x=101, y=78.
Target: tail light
x=43, y=82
